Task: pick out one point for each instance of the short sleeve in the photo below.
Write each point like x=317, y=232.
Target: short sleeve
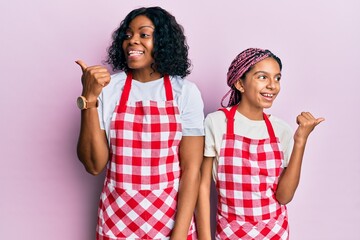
x=192, y=110
x=108, y=100
x=285, y=134
x=210, y=148
x=287, y=149
x=101, y=111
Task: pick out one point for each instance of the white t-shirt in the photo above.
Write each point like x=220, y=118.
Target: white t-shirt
x=186, y=95
x=215, y=128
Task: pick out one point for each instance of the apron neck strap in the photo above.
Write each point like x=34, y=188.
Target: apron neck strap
x=230, y=118
x=168, y=88
x=269, y=127
x=126, y=91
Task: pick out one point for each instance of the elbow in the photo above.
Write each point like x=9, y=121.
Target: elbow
x=93, y=165
x=284, y=197
x=283, y=200
x=93, y=171
x=91, y=168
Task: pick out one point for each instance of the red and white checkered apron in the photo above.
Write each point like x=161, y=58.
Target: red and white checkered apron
x=247, y=177
x=139, y=197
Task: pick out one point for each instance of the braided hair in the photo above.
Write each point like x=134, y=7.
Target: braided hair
x=240, y=66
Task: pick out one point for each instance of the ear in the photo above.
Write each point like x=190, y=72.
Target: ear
x=239, y=86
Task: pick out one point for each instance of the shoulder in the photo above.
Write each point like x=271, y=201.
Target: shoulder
x=279, y=123
x=111, y=92
x=117, y=78
x=282, y=129
x=215, y=118
x=117, y=81
x=216, y=115
x=183, y=84
x=187, y=93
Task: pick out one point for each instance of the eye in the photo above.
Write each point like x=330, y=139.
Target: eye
x=145, y=35
x=278, y=78
x=127, y=36
x=262, y=77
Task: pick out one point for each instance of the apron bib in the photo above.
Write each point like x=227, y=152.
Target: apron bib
x=247, y=175
x=139, y=197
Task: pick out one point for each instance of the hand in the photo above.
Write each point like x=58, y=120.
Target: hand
x=307, y=122
x=94, y=79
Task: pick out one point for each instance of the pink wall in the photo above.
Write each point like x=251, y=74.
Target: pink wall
x=44, y=191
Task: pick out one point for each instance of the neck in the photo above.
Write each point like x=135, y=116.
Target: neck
x=145, y=76
x=250, y=112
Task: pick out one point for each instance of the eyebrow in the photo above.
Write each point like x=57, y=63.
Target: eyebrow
x=265, y=73
x=140, y=28
x=146, y=27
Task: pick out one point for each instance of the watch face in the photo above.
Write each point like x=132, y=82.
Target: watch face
x=80, y=103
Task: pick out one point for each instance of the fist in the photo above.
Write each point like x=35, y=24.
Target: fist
x=94, y=79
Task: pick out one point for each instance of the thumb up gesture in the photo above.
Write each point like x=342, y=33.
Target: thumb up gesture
x=307, y=122
x=94, y=79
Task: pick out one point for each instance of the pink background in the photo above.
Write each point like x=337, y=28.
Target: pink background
x=45, y=192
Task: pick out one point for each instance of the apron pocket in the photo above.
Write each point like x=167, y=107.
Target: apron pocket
x=147, y=214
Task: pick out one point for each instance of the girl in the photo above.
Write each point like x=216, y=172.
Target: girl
x=147, y=129
x=252, y=157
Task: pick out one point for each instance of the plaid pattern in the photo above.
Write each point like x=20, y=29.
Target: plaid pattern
x=272, y=229
x=146, y=151
x=133, y=214
x=247, y=176
x=139, y=198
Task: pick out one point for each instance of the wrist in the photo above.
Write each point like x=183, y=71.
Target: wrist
x=89, y=97
x=84, y=103
x=300, y=142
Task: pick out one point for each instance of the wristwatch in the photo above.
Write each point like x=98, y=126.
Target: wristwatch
x=83, y=104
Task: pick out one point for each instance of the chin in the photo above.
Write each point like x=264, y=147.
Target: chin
x=266, y=106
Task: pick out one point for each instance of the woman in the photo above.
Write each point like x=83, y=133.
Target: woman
x=253, y=157
x=147, y=130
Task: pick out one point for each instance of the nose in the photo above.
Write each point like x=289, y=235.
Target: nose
x=134, y=39
x=271, y=83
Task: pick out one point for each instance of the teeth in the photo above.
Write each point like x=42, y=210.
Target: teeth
x=135, y=52
x=268, y=95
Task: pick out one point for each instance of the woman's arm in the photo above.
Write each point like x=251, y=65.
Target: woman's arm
x=290, y=177
x=92, y=148
x=191, y=152
x=203, y=203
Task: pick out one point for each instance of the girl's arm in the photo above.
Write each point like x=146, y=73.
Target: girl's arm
x=191, y=152
x=203, y=203
x=289, y=179
x=92, y=148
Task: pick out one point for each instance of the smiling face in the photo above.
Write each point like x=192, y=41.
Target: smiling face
x=260, y=86
x=138, y=46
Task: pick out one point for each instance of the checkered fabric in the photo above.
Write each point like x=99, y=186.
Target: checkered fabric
x=140, y=193
x=247, y=175
x=271, y=229
x=146, y=146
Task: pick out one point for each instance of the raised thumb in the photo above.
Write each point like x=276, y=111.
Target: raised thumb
x=82, y=64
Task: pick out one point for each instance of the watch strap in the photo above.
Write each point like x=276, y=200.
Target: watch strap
x=93, y=104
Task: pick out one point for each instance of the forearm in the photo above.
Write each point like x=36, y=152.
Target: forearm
x=203, y=213
x=290, y=177
x=191, y=151
x=187, y=197
x=92, y=148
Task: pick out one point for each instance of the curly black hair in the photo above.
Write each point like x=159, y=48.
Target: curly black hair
x=170, y=50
